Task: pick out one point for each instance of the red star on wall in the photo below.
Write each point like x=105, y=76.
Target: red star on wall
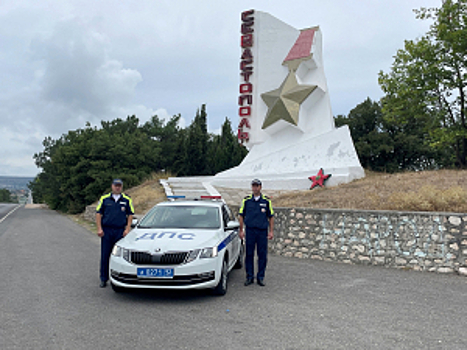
x=319, y=179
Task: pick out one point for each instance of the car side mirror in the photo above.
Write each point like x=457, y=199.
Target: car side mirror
x=134, y=222
x=232, y=225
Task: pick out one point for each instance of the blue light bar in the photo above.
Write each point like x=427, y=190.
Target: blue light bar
x=175, y=197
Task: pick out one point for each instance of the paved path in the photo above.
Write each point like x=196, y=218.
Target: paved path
x=49, y=299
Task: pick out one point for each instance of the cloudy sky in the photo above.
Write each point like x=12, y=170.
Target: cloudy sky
x=63, y=63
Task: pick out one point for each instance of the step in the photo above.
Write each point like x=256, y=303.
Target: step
x=190, y=187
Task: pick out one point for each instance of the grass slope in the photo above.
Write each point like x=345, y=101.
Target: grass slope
x=441, y=190
x=148, y=194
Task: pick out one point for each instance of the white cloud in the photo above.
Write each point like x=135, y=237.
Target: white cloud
x=164, y=115
x=78, y=73
x=216, y=131
x=75, y=81
x=18, y=148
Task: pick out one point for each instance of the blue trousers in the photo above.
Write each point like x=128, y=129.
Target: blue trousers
x=256, y=238
x=111, y=236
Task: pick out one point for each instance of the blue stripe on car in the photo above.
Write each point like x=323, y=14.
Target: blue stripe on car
x=226, y=241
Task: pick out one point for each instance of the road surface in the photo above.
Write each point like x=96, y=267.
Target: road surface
x=50, y=299
x=5, y=209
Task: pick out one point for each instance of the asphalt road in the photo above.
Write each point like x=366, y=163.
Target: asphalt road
x=50, y=299
x=5, y=208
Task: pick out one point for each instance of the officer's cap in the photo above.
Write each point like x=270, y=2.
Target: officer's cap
x=117, y=182
x=256, y=182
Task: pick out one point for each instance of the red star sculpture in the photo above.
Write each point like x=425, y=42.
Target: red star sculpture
x=319, y=179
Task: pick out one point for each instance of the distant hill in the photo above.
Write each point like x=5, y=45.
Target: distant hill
x=15, y=182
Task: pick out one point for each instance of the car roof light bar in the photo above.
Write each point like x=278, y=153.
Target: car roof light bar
x=172, y=198
x=213, y=198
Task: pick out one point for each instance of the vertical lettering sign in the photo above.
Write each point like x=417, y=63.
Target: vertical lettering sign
x=245, y=100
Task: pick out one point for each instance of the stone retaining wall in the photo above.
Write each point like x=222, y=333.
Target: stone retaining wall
x=413, y=240
x=434, y=242
x=90, y=213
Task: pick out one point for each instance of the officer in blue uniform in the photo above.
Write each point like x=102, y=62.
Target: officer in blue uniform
x=114, y=215
x=257, y=214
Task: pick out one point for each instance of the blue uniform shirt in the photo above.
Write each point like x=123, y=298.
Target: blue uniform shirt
x=256, y=214
x=115, y=213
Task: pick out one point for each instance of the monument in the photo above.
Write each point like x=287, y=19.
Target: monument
x=285, y=113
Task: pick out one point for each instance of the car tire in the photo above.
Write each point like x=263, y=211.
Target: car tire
x=241, y=256
x=117, y=289
x=221, y=287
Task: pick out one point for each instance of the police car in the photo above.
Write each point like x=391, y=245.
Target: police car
x=179, y=245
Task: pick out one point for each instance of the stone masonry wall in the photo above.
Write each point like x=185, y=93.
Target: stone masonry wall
x=434, y=242
x=90, y=213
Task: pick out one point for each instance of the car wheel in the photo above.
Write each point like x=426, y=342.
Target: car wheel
x=117, y=289
x=221, y=287
x=241, y=255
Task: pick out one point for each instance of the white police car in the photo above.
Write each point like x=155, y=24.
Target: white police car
x=179, y=245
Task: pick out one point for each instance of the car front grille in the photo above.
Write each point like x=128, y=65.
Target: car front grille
x=145, y=258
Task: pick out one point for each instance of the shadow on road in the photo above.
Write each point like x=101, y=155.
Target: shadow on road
x=166, y=296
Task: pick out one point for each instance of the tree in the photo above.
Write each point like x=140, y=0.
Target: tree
x=426, y=86
x=5, y=196
x=168, y=135
x=372, y=141
x=385, y=145
x=225, y=151
x=79, y=166
x=196, y=161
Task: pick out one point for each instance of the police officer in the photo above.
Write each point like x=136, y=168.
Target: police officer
x=257, y=214
x=114, y=215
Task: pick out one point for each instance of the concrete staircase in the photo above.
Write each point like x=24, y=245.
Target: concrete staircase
x=197, y=186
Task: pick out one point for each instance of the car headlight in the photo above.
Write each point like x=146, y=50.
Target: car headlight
x=126, y=254
x=116, y=251
x=192, y=256
x=208, y=253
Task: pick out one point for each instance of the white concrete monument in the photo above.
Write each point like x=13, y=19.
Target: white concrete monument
x=285, y=113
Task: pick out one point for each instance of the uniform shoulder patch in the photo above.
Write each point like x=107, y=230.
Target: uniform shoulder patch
x=101, y=200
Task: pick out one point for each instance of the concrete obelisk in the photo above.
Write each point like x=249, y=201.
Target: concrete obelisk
x=285, y=112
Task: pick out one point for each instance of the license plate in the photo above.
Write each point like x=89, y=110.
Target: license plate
x=154, y=273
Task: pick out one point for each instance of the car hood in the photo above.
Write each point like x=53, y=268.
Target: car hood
x=163, y=240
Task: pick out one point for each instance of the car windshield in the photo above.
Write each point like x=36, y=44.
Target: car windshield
x=187, y=216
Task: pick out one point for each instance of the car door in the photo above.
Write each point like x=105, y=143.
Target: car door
x=233, y=246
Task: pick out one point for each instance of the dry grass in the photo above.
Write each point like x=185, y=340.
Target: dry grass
x=442, y=190
x=80, y=220
x=144, y=196
x=430, y=198
x=148, y=194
